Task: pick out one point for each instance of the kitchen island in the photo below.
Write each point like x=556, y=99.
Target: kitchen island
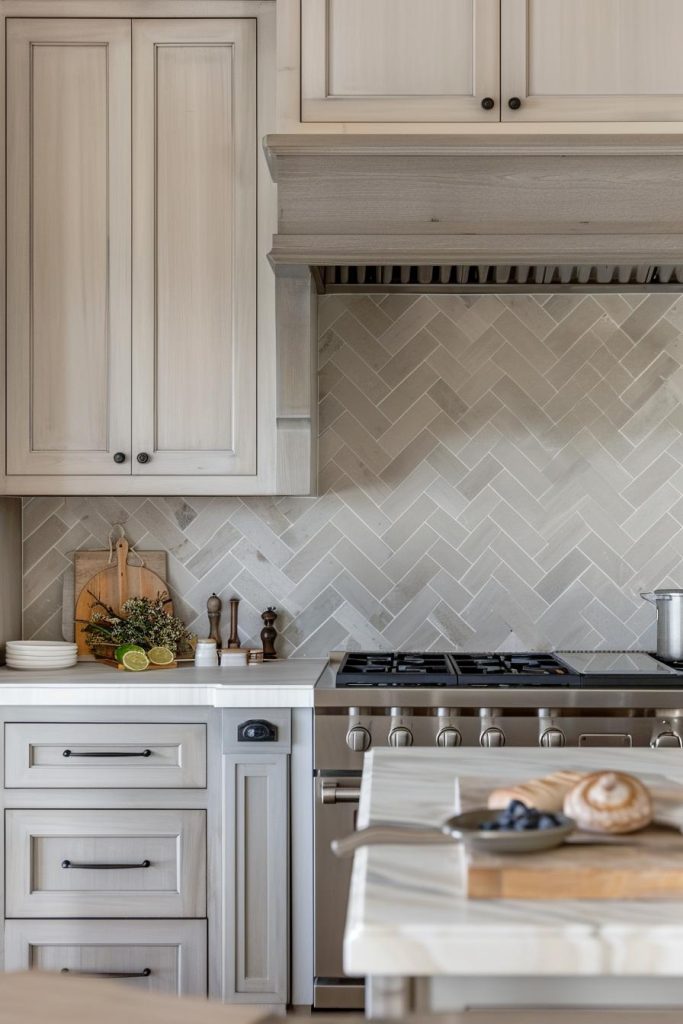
x=425, y=947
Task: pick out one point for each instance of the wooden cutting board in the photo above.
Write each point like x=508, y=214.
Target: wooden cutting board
x=112, y=587
x=88, y=563
x=644, y=865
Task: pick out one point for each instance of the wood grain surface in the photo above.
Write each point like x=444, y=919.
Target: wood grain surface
x=644, y=865
x=112, y=587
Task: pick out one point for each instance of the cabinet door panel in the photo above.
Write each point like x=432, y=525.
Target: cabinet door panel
x=256, y=878
x=616, y=60
x=397, y=60
x=68, y=223
x=194, y=259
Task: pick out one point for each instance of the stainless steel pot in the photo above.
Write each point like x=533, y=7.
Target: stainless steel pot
x=669, y=605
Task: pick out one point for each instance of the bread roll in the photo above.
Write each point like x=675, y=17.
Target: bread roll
x=611, y=802
x=546, y=794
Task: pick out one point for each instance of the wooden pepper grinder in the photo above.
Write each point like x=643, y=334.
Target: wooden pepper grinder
x=234, y=638
x=269, y=635
x=214, y=606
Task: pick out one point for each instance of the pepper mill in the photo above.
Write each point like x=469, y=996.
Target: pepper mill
x=269, y=635
x=234, y=638
x=214, y=607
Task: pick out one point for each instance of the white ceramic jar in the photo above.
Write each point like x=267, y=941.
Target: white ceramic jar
x=234, y=657
x=206, y=654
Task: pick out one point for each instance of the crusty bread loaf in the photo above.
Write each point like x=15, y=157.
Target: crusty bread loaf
x=546, y=794
x=612, y=802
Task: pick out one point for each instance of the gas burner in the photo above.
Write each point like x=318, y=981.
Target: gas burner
x=396, y=669
x=512, y=670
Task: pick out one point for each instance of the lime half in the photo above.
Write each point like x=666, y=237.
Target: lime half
x=135, y=661
x=160, y=656
x=124, y=648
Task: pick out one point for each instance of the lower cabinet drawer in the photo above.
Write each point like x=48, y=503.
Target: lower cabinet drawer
x=105, y=755
x=114, y=863
x=154, y=956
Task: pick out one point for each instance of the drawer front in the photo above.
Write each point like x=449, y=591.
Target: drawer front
x=72, y=863
x=120, y=755
x=153, y=956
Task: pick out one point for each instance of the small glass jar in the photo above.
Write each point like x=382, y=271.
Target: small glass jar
x=206, y=654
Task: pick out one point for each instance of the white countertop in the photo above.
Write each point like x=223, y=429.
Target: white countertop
x=276, y=684
x=408, y=914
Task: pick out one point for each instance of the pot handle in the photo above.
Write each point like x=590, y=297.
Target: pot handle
x=388, y=834
x=653, y=598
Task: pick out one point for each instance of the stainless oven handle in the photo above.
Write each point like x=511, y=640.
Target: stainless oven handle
x=333, y=793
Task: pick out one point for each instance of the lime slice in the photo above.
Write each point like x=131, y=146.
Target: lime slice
x=135, y=661
x=124, y=648
x=160, y=656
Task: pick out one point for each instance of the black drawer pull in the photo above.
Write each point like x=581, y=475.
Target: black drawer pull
x=105, y=867
x=106, y=753
x=144, y=973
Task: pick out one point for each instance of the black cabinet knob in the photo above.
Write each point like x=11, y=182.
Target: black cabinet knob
x=488, y=103
x=514, y=103
x=143, y=457
x=119, y=457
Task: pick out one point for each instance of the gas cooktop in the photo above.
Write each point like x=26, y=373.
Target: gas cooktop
x=576, y=669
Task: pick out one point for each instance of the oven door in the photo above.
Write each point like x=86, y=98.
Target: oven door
x=336, y=807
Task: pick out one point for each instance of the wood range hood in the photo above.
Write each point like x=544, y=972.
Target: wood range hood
x=478, y=213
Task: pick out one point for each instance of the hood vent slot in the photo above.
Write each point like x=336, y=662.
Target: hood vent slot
x=463, y=277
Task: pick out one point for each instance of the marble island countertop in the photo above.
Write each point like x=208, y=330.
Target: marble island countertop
x=286, y=684
x=408, y=913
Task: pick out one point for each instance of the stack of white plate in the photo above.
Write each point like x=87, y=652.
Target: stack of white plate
x=37, y=655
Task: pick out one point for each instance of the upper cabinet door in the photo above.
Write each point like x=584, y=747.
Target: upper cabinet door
x=68, y=246
x=194, y=247
x=400, y=60
x=592, y=60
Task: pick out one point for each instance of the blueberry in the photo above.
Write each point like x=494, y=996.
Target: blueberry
x=516, y=809
x=547, y=821
x=489, y=826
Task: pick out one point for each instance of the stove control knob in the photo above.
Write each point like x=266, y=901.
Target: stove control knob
x=358, y=738
x=448, y=737
x=400, y=736
x=552, y=738
x=492, y=737
x=666, y=738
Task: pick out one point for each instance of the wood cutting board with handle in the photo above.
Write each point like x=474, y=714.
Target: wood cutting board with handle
x=87, y=564
x=112, y=587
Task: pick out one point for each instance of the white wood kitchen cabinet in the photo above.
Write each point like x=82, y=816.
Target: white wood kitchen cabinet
x=372, y=65
x=141, y=343
x=612, y=60
x=400, y=61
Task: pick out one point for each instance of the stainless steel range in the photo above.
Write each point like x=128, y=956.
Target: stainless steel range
x=584, y=699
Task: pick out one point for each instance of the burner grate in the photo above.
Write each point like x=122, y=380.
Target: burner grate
x=402, y=668
x=515, y=669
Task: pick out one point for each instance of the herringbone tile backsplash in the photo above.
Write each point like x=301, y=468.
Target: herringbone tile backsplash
x=495, y=472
